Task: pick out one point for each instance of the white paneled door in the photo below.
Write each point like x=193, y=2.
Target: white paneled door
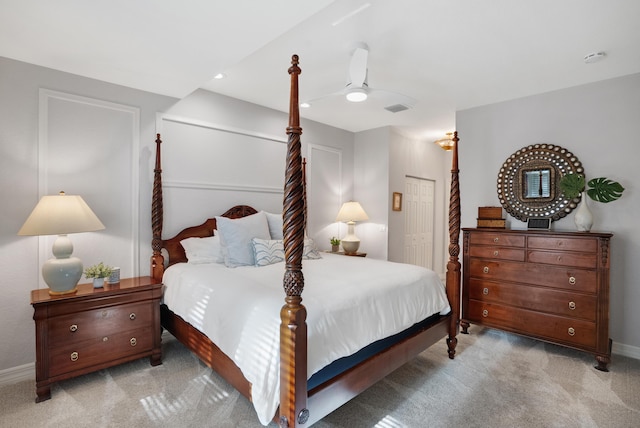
x=418, y=209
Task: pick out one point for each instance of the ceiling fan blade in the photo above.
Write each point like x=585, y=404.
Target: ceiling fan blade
x=358, y=67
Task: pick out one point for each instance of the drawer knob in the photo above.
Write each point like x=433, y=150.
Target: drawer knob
x=105, y=339
x=133, y=341
x=572, y=280
x=485, y=269
x=485, y=291
x=495, y=253
x=73, y=328
x=571, y=331
x=132, y=316
x=572, y=305
x=74, y=356
x=485, y=313
x=104, y=314
x=496, y=239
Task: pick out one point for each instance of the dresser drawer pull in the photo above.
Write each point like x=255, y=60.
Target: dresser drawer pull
x=495, y=253
x=73, y=328
x=485, y=291
x=485, y=269
x=572, y=280
x=572, y=305
x=133, y=341
x=485, y=313
x=105, y=339
x=74, y=356
x=132, y=316
x=496, y=239
x=104, y=314
x=571, y=331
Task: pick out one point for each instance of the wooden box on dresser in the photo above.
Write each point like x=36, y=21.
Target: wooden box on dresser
x=95, y=328
x=548, y=285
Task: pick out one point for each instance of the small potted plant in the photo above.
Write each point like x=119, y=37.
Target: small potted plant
x=98, y=272
x=335, y=244
x=599, y=189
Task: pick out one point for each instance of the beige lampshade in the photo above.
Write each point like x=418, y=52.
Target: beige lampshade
x=351, y=211
x=59, y=215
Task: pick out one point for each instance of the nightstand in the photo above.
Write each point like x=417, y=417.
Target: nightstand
x=342, y=253
x=94, y=329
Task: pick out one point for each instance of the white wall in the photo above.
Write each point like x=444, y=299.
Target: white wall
x=600, y=124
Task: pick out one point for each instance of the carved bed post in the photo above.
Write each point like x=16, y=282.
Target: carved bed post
x=157, y=259
x=293, y=327
x=453, y=266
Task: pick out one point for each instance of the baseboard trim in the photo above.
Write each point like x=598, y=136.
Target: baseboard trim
x=18, y=374
x=626, y=350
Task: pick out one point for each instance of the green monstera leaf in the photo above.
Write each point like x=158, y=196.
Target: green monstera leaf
x=572, y=185
x=604, y=190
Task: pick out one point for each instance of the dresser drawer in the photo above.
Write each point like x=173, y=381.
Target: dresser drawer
x=574, y=279
x=497, y=239
x=563, y=258
x=589, y=245
x=498, y=253
x=101, y=322
x=573, y=332
x=535, y=298
x=99, y=350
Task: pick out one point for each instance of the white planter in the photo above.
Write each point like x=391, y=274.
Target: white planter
x=583, y=217
x=98, y=282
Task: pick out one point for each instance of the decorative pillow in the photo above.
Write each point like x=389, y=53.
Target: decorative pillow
x=310, y=251
x=267, y=252
x=203, y=250
x=275, y=225
x=236, y=235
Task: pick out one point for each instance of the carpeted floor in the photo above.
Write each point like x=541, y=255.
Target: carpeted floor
x=497, y=380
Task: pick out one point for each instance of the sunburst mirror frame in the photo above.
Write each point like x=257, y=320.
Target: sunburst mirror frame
x=558, y=160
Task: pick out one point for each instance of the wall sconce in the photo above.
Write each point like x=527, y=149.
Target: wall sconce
x=59, y=215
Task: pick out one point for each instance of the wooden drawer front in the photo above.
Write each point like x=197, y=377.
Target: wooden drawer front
x=498, y=253
x=71, y=357
x=497, y=239
x=535, y=298
x=86, y=325
x=589, y=245
x=573, y=279
x=585, y=260
x=573, y=332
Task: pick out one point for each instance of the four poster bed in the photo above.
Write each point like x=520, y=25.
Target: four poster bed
x=305, y=360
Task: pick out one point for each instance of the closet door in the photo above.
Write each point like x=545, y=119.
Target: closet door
x=418, y=221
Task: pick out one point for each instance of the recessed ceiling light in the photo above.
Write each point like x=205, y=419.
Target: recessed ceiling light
x=219, y=76
x=593, y=57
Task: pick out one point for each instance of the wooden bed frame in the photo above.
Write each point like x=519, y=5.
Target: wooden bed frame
x=298, y=406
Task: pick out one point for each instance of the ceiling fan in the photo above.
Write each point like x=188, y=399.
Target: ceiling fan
x=357, y=88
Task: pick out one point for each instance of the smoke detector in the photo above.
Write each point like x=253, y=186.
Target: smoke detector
x=593, y=57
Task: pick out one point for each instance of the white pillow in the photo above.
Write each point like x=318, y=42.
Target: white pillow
x=267, y=252
x=310, y=252
x=236, y=234
x=275, y=225
x=203, y=250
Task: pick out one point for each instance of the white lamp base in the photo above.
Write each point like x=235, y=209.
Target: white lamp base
x=63, y=272
x=350, y=243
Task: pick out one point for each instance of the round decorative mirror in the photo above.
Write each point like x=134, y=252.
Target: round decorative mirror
x=528, y=182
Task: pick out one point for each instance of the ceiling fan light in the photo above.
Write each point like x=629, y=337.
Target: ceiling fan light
x=356, y=95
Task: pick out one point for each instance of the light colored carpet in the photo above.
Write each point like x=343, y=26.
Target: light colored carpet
x=497, y=380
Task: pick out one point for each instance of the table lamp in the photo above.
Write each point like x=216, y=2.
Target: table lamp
x=350, y=213
x=60, y=215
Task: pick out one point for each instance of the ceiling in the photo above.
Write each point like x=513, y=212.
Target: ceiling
x=447, y=55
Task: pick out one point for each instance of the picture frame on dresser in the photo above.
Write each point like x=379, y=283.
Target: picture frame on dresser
x=547, y=285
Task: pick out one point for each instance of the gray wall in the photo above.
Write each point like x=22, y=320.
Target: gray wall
x=600, y=124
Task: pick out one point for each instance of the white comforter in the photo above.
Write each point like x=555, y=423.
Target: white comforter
x=351, y=302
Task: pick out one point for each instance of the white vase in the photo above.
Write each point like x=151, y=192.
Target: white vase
x=98, y=282
x=583, y=217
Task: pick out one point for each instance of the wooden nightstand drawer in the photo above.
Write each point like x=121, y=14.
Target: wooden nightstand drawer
x=86, y=325
x=539, y=299
x=95, y=351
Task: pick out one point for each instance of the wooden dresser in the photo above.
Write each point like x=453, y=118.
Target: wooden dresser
x=548, y=285
x=95, y=328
